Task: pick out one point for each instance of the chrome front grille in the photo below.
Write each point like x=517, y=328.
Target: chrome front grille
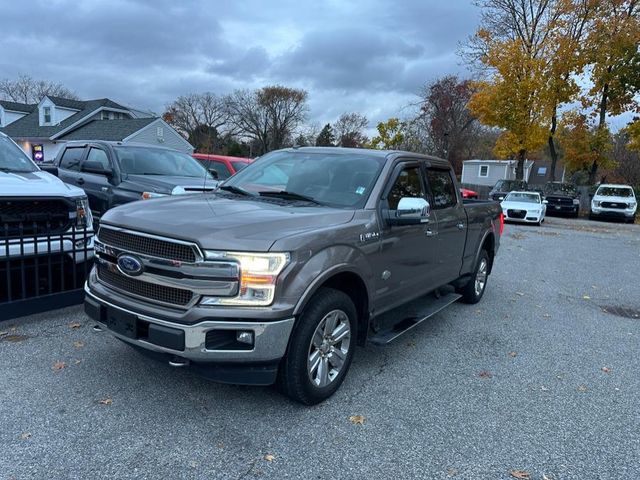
x=147, y=245
x=151, y=291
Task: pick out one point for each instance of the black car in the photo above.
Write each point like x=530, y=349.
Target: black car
x=503, y=187
x=562, y=198
x=115, y=173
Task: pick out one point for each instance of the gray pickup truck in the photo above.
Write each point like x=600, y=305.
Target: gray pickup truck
x=295, y=260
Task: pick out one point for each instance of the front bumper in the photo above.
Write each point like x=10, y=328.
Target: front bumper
x=613, y=213
x=562, y=208
x=529, y=217
x=195, y=345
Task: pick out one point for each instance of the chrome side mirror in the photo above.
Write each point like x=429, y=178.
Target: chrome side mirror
x=411, y=211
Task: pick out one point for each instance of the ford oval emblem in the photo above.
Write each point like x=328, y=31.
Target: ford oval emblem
x=129, y=265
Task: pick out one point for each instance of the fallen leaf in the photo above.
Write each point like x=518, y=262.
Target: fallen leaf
x=59, y=366
x=193, y=464
x=546, y=315
x=220, y=445
x=357, y=419
x=77, y=362
x=452, y=472
x=606, y=370
x=269, y=458
x=2, y=334
x=106, y=401
x=485, y=374
x=544, y=477
x=520, y=293
x=582, y=388
x=544, y=389
x=15, y=338
x=519, y=474
x=78, y=344
x=513, y=354
x=25, y=436
x=586, y=297
x=74, y=325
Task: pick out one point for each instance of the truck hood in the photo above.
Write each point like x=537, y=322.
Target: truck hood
x=36, y=184
x=165, y=184
x=605, y=198
x=219, y=222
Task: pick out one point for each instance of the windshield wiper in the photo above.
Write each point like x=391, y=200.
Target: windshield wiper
x=289, y=195
x=234, y=189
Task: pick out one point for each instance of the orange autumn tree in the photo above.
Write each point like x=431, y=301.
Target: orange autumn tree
x=583, y=142
x=513, y=99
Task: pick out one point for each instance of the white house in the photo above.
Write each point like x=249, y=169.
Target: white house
x=41, y=129
x=488, y=172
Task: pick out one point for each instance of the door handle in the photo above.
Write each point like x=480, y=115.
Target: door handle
x=460, y=225
x=80, y=181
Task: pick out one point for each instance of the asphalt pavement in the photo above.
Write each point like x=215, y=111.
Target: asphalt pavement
x=541, y=379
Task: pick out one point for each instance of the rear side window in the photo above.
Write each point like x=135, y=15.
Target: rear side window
x=442, y=188
x=221, y=168
x=71, y=158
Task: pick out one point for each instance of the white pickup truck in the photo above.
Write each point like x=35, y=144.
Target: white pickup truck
x=39, y=214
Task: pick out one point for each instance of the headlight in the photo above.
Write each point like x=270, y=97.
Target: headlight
x=149, y=195
x=576, y=201
x=632, y=205
x=258, y=275
x=83, y=216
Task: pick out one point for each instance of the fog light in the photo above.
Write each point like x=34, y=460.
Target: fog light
x=245, y=337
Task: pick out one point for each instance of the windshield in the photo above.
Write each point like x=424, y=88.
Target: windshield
x=332, y=179
x=158, y=161
x=508, y=185
x=237, y=166
x=12, y=158
x=615, y=192
x=562, y=188
x=523, y=197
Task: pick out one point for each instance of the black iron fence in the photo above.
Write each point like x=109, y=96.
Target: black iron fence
x=43, y=266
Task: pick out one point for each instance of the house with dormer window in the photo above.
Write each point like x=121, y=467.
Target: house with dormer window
x=42, y=128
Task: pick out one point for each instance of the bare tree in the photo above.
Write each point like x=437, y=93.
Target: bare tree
x=349, y=130
x=269, y=116
x=25, y=89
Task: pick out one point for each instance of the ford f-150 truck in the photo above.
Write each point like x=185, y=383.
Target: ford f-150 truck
x=291, y=263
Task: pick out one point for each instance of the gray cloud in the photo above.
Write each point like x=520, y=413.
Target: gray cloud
x=369, y=56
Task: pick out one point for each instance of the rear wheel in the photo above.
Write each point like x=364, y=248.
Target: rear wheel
x=321, y=348
x=472, y=292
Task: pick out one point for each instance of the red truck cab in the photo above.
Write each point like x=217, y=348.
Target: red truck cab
x=221, y=166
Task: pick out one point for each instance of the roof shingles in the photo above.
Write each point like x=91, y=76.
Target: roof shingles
x=110, y=130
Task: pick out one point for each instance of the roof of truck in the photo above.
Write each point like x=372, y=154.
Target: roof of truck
x=367, y=151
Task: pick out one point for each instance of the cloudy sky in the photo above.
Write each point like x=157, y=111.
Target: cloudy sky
x=368, y=56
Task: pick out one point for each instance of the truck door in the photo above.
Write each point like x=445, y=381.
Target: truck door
x=69, y=167
x=404, y=268
x=448, y=211
x=98, y=187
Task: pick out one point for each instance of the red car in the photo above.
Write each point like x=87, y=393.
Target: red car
x=220, y=166
x=466, y=193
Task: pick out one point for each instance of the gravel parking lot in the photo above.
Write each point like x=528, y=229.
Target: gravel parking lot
x=540, y=378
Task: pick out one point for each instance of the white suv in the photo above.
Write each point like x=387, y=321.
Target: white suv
x=614, y=201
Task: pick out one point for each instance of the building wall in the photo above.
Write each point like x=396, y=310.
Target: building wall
x=471, y=173
x=63, y=113
x=169, y=137
x=51, y=149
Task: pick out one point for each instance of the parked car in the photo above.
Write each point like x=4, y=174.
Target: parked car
x=562, y=198
x=524, y=206
x=265, y=282
x=614, y=201
x=503, y=187
x=115, y=173
x=221, y=166
x=466, y=193
x=42, y=221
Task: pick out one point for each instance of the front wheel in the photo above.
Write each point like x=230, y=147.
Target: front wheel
x=321, y=348
x=472, y=292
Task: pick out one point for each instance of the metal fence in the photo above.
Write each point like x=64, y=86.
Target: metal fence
x=43, y=266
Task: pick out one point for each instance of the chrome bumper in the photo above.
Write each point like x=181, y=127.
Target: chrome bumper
x=270, y=338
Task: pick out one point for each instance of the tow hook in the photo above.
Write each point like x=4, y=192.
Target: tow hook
x=178, y=362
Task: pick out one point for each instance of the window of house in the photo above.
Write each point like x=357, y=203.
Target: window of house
x=542, y=171
x=442, y=188
x=484, y=170
x=46, y=114
x=105, y=115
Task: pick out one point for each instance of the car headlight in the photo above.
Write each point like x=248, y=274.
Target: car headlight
x=149, y=195
x=83, y=216
x=632, y=205
x=576, y=201
x=258, y=275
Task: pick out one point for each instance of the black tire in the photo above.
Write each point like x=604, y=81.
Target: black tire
x=468, y=292
x=294, y=377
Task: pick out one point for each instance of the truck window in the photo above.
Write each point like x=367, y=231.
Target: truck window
x=442, y=188
x=221, y=168
x=100, y=156
x=71, y=158
x=408, y=184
